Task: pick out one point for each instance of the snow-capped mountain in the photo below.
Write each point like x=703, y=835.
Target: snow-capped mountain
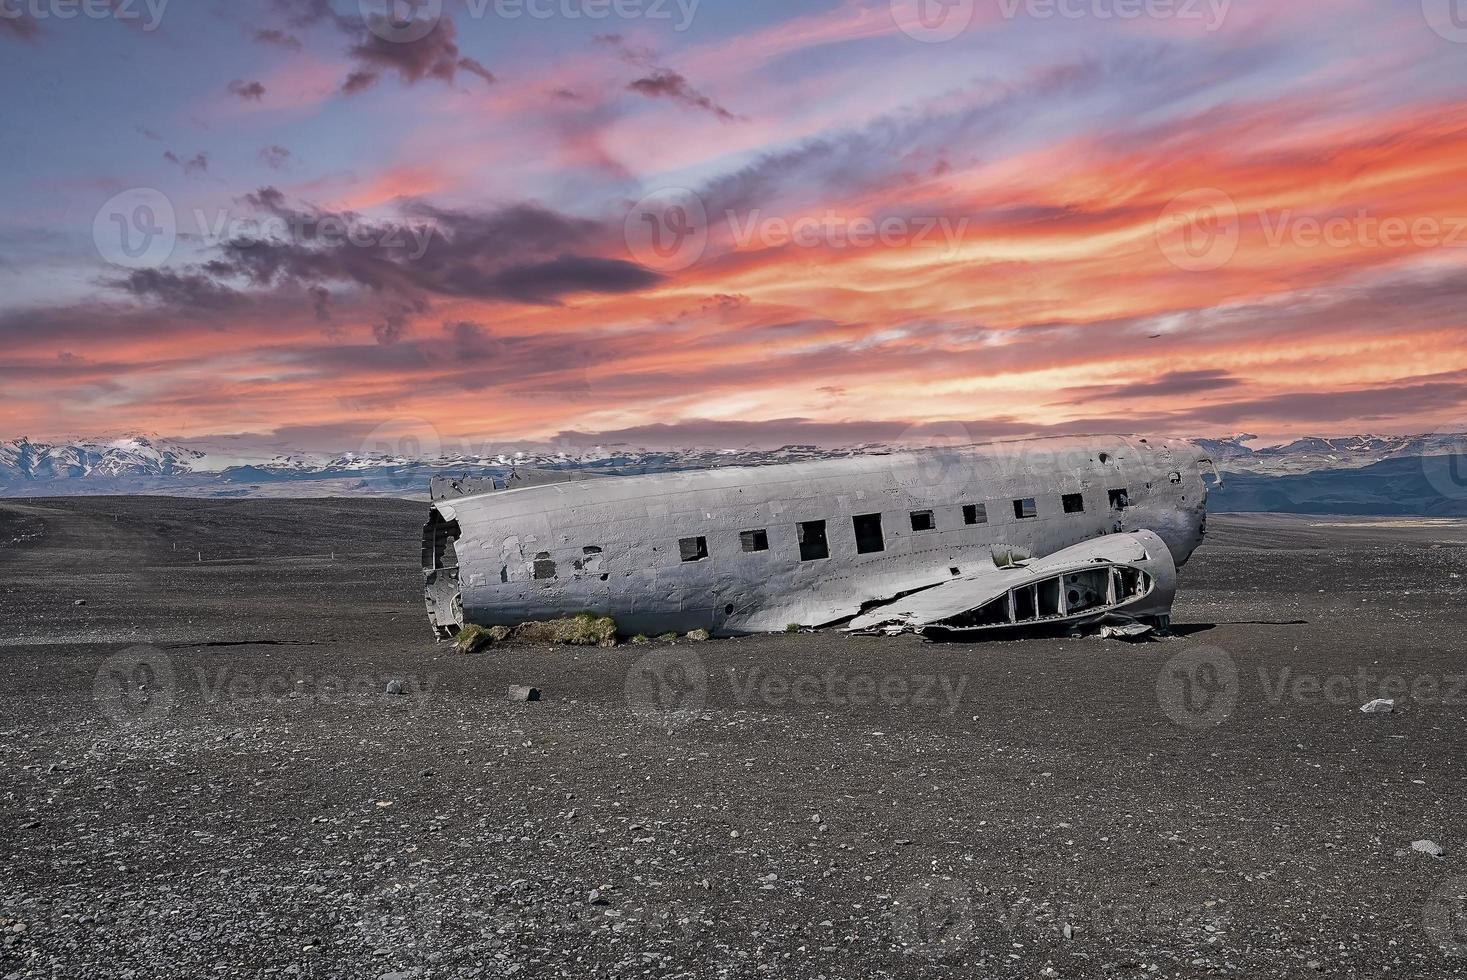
x=1312, y=454
x=23, y=460
x=151, y=465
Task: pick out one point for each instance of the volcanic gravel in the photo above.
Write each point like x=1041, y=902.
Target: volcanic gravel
x=205, y=774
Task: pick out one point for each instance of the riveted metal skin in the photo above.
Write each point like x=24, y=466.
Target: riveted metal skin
x=612, y=545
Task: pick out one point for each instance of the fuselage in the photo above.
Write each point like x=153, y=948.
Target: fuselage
x=754, y=549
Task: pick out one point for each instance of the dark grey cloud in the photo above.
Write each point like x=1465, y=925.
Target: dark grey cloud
x=520, y=254
x=181, y=289
x=197, y=164
x=659, y=81
x=249, y=91
x=1181, y=383
x=668, y=84
x=275, y=157
x=278, y=38
x=435, y=55
x=376, y=44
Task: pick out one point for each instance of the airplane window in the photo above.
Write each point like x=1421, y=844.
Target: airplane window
x=813, y=546
x=693, y=549
x=923, y=520
x=869, y=538
x=1074, y=503
x=1026, y=508
x=1120, y=499
x=754, y=540
x=975, y=513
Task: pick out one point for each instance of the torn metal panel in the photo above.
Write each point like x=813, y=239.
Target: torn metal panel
x=754, y=549
x=1120, y=577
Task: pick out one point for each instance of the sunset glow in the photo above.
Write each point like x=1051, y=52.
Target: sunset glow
x=784, y=222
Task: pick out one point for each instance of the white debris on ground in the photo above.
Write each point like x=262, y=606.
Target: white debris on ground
x=1380, y=706
x=1130, y=631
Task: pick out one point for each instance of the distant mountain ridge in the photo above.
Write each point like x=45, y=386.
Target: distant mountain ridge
x=1422, y=475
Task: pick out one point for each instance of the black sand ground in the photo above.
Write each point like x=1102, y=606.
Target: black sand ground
x=204, y=777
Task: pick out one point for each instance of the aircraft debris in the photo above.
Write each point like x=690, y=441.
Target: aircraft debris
x=1048, y=534
x=1380, y=706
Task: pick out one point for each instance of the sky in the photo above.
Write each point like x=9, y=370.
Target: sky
x=705, y=222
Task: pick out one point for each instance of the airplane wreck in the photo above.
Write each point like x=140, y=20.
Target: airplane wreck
x=951, y=543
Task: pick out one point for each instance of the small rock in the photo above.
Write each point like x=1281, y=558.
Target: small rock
x=80, y=602
x=700, y=635
x=395, y=687
x=734, y=834
x=1380, y=706
x=518, y=692
x=1429, y=847
x=595, y=897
